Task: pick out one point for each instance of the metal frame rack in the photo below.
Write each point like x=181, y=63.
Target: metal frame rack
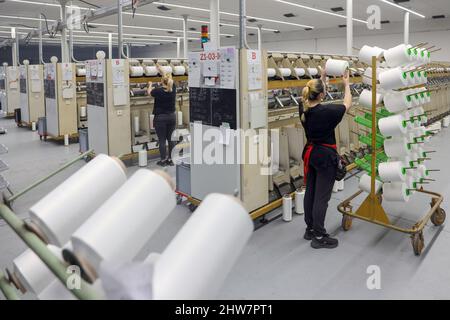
x=9, y=283
x=371, y=210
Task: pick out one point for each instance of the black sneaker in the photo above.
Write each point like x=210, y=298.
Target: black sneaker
x=169, y=162
x=161, y=163
x=309, y=234
x=325, y=241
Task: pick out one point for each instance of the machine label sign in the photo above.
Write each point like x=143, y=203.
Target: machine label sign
x=212, y=56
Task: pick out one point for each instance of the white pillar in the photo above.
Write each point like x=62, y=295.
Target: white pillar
x=110, y=46
x=185, y=36
x=406, y=30
x=259, y=36
x=178, y=47
x=64, y=46
x=14, y=48
x=349, y=9
x=214, y=9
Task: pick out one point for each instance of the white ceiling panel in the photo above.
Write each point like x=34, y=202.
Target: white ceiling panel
x=147, y=21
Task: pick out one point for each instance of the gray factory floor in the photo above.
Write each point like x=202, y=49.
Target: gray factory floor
x=277, y=263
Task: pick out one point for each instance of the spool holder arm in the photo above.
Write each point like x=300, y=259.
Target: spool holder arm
x=7, y=289
x=15, y=196
x=58, y=268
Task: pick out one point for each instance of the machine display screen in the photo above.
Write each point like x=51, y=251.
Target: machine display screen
x=23, y=85
x=213, y=106
x=95, y=94
x=50, y=89
x=200, y=105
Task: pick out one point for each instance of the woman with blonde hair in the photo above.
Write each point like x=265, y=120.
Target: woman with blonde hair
x=165, y=118
x=320, y=156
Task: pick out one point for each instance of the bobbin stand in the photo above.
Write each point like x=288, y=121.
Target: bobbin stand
x=37, y=242
x=371, y=210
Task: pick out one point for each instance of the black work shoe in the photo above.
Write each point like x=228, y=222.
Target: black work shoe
x=325, y=241
x=169, y=162
x=161, y=163
x=309, y=234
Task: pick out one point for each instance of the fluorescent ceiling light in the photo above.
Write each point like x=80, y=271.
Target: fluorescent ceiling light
x=114, y=35
x=111, y=25
x=230, y=25
x=154, y=16
x=36, y=3
x=318, y=10
x=9, y=32
x=195, y=21
x=403, y=8
x=232, y=14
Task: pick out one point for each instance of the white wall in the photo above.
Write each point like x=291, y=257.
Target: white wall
x=333, y=41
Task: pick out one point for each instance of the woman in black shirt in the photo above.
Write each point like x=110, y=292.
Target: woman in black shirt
x=320, y=156
x=165, y=118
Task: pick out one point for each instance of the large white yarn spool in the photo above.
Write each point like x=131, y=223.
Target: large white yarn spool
x=396, y=147
x=446, y=122
x=397, y=56
x=313, y=72
x=165, y=70
x=365, y=98
x=392, y=126
x=179, y=118
x=151, y=71
x=367, y=52
x=393, y=79
x=152, y=122
x=196, y=262
x=405, y=160
x=285, y=72
x=419, y=132
x=56, y=291
x=365, y=184
x=395, y=191
x=143, y=158
x=64, y=209
x=32, y=273
x=300, y=72
x=83, y=112
x=396, y=101
x=81, y=72
x=127, y=219
x=136, y=71
x=336, y=68
x=179, y=70
x=136, y=123
x=271, y=72
x=299, y=198
x=367, y=77
x=392, y=171
x=422, y=171
x=287, y=208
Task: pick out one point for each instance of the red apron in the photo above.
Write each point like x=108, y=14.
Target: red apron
x=307, y=155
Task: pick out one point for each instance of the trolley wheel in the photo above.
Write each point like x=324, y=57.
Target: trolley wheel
x=380, y=198
x=179, y=199
x=192, y=207
x=438, y=217
x=347, y=222
x=88, y=158
x=418, y=243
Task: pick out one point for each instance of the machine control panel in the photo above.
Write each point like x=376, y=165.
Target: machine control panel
x=120, y=86
x=35, y=79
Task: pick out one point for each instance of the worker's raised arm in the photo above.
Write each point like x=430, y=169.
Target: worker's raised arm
x=150, y=88
x=348, y=99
